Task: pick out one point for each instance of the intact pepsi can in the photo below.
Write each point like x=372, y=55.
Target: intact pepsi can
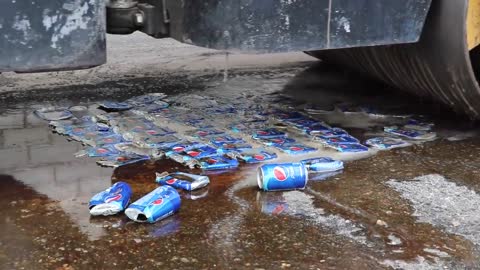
x=286, y=176
x=164, y=201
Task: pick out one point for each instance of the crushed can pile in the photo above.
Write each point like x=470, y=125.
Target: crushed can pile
x=216, y=135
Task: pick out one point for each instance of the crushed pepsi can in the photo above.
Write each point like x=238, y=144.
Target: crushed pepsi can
x=111, y=201
x=286, y=176
x=185, y=181
x=322, y=164
x=268, y=133
x=114, y=106
x=164, y=201
x=295, y=148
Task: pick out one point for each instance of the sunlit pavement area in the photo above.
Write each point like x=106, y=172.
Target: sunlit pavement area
x=408, y=208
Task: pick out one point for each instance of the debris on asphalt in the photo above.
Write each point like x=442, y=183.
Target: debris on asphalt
x=111, y=201
x=286, y=176
x=185, y=181
x=162, y=202
x=210, y=134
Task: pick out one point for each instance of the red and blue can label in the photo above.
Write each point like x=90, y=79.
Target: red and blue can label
x=286, y=176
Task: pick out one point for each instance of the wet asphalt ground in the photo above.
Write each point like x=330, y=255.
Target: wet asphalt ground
x=408, y=208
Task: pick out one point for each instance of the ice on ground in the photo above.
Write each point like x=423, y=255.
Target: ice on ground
x=443, y=203
x=301, y=204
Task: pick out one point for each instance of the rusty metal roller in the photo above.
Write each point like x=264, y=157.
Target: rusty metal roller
x=442, y=65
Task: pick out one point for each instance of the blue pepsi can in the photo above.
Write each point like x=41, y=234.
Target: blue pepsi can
x=286, y=176
x=110, y=201
x=164, y=201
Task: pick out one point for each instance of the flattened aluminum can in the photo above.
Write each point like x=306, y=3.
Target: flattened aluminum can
x=286, y=176
x=185, y=181
x=164, y=201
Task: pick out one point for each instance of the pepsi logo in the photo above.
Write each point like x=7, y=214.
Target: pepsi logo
x=280, y=174
x=193, y=153
x=102, y=150
x=108, y=140
x=178, y=148
x=157, y=201
x=261, y=132
x=211, y=161
x=259, y=157
x=277, y=140
x=151, y=132
x=114, y=198
x=171, y=181
x=296, y=148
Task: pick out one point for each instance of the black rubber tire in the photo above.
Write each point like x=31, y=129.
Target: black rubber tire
x=438, y=66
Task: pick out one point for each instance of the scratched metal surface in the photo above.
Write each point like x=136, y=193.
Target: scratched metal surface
x=45, y=35
x=297, y=25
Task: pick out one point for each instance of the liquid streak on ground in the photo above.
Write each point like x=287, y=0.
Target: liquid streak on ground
x=45, y=223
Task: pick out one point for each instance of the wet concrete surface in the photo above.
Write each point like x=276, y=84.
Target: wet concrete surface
x=355, y=220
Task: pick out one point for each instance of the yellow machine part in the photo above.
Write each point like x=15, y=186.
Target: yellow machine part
x=473, y=24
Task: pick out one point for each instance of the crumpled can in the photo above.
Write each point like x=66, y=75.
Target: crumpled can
x=410, y=133
x=295, y=148
x=385, y=143
x=185, y=181
x=252, y=155
x=162, y=202
x=111, y=201
x=322, y=164
x=268, y=133
x=214, y=163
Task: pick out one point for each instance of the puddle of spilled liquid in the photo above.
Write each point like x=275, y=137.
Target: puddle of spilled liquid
x=230, y=224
